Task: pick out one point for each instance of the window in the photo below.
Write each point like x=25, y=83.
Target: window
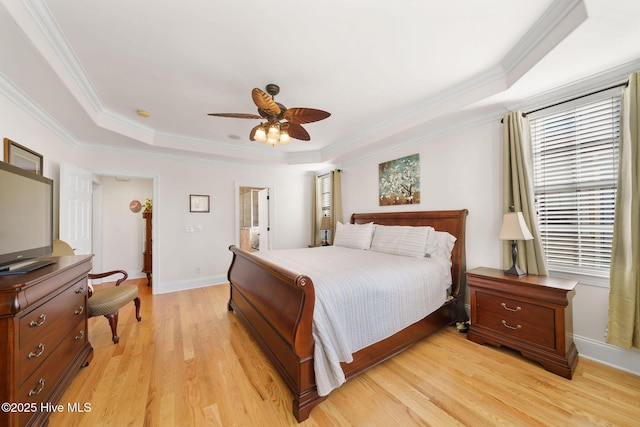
x=325, y=191
x=575, y=162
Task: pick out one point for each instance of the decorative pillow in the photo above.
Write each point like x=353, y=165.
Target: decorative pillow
x=403, y=240
x=445, y=245
x=355, y=236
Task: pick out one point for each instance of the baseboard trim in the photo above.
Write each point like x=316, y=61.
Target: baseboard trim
x=625, y=360
x=183, y=285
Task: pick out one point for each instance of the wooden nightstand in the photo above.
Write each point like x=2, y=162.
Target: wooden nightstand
x=531, y=314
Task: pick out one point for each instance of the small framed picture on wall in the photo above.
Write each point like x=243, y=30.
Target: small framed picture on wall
x=20, y=156
x=198, y=203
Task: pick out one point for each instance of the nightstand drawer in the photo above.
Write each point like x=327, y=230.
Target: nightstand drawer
x=517, y=327
x=515, y=310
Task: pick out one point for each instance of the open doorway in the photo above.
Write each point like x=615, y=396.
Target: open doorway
x=97, y=215
x=253, y=211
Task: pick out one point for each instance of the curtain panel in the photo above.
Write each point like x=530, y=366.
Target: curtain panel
x=624, y=286
x=316, y=211
x=335, y=206
x=517, y=191
x=336, y=201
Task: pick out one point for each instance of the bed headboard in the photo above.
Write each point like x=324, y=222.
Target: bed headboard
x=453, y=222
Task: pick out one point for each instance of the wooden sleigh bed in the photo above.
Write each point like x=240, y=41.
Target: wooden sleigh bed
x=277, y=306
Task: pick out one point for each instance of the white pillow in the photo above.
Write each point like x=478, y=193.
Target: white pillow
x=432, y=243
x=445, y=245
x=403, y=240
x=355, y=236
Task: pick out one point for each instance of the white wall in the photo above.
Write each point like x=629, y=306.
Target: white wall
x=121, y=234
x=464, y=170
x=184, y=260
x=458, y=171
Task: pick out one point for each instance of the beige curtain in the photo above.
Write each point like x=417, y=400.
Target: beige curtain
x=517, y=191
x=316, y=207
x=336, y=201
x=316, y=211
x=624, y=290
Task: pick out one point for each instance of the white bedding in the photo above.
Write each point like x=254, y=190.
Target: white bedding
x=362, y=297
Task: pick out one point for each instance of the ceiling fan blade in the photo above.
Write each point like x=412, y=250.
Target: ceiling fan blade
x=264, y=102
x=236, y=115
x=304, y=115
x=298, y=132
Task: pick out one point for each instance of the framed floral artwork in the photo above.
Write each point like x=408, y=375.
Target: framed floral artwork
x=399, y=181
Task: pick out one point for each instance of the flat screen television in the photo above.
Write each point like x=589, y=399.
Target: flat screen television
x=26, y=219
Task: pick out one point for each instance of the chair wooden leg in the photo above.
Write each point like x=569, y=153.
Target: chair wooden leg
x=136, y=301
x=113, y=322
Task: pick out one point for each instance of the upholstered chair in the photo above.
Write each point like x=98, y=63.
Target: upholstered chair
x=106, y=301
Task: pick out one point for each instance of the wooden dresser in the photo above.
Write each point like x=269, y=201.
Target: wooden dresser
x=43, y=336
x=531, y=314
x=147, y=255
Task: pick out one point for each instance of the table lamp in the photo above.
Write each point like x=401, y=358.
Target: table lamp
x=325, y=225
x=514, y=228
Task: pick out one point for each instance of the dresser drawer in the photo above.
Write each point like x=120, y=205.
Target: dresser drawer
x=517, y=311
x=38, y=387
x=43, y=323
x=30, y=359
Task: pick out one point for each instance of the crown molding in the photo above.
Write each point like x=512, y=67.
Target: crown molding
x=562, y=17
x=610, y=77
x=555, y=24
x=42, y=16
x=492, y=80
x=21, y=99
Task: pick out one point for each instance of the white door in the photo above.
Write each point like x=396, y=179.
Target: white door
x=264, y=227
x=75, y=207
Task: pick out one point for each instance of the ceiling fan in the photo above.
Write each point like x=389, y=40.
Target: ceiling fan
x=281, y=123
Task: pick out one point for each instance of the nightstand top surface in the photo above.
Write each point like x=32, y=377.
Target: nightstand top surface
x=529, y=279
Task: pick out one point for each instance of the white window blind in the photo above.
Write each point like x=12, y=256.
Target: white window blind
x=575, y=162
x=325, y=188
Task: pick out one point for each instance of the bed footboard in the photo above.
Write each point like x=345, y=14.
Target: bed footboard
x=276, y=306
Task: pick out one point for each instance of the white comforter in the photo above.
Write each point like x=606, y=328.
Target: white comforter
x=362, y=297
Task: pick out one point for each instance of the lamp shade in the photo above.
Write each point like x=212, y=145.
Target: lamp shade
x=284, y=137
x=325, y=224
x=514, y=227
x=260, y=135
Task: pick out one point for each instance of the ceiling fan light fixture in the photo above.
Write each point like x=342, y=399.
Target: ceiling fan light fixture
x=273, y=136
x=280, y=124
x=284, y=137
x=260, y=135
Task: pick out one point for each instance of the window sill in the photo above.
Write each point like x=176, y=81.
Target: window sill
x=585, y=279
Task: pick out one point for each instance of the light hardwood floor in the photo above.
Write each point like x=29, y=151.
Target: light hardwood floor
x=191, y=363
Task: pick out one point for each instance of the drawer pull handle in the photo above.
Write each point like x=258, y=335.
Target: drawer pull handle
x=79, y=336
x=506, y=325
x=34, y=392
x=80, y=310
x=33, y=355
x=506, y=307
x=40, y=322
x=80, y=290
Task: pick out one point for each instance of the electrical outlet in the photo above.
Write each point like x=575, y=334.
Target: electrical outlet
x=606, y=331
x=197, y=270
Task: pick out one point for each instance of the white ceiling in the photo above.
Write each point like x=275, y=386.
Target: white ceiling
x=389, y=72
